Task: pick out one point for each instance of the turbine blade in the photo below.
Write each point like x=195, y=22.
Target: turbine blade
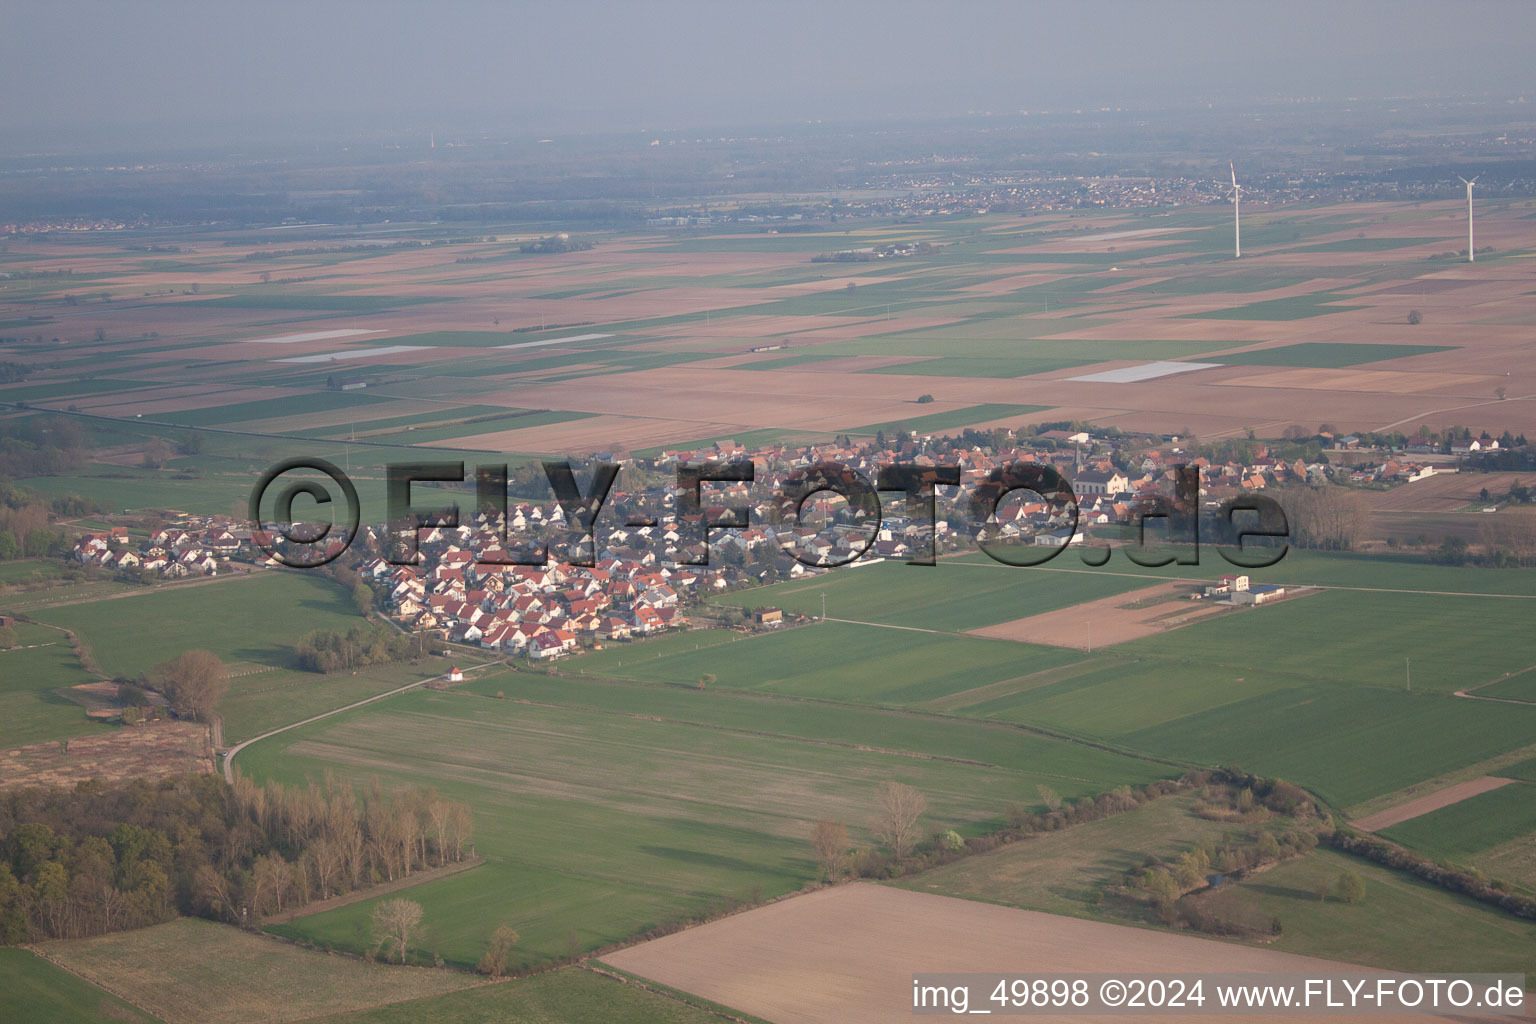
x=1233, y=168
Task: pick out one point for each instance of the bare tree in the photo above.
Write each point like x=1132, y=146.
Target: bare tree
x=440, y=810
x=1049, y=797
x=215, y=891
x=830, y=839
x=896, y=824
x=193, y=683
x=462, y=827
x=326, y=858
x=494, y=962
x=157, y=453
x=393, y=922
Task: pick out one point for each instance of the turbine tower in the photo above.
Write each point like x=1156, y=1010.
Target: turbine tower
x=1237, y=225
x=1471, y=250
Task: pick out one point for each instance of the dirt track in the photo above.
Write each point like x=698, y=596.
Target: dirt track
x=1107, y=621
x=1432, y=802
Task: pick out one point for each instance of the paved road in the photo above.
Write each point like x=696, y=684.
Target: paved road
x=229, y=756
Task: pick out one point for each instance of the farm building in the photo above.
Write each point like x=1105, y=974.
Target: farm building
x=1258, y=595
x=1227, y=586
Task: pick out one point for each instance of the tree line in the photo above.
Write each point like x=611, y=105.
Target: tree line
x=102, y=857
x=330, y=650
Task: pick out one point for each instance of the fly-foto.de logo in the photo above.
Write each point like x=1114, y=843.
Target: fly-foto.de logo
x=1251, y=531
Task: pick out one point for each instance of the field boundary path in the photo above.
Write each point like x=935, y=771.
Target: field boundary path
x=1422, y=805
x=229, y=755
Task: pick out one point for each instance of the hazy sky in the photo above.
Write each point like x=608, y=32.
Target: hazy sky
x=70, y=68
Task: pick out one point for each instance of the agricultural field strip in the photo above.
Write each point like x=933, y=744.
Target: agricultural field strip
x=289, y=339
x=1146, y=371
x=811, y=740
x=347, y=354
x=554, y=341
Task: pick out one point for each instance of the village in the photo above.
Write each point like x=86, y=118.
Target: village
x=471, y=585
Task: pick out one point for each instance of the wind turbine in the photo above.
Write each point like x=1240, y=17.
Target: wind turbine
x=1237, y=226
x=1471, y=250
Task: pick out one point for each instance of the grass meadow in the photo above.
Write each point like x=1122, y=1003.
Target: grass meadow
x=40, y=992
x=606, y=811
x=32, y=708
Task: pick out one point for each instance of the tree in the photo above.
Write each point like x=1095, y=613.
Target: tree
x=156, y=454
x=899, y=807
x=1415, y=318
x=707, y=679
x=1350, y=888
x=193, y=683
x=1049, y=797
x=924, y=399
x=494, y=962
x=7, y=637
x=830, y=840
x=393, y=921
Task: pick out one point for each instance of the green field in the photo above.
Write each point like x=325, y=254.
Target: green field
x=1471, y=826
x=66, y=389
x=1523, y=770
x=39, y=992
x=293, y=405
x=1298, y=307
x=950, y=421
x=952, y=596
x=838, y=661
x=1474, y=639
x=267, y=700
x=1518, y=687
x=250, y=619
x=1331, y=354
x=1328, y=711
x=1348, y=744
x=570, y=994
x=1403, y=923
x=1368, y=244
x=1067, y=872
x=802, y=358
x=517, y=419
x=131, y=635
x=609, y=809
x=29, y=570
x=31, y=675
x=312, y=301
